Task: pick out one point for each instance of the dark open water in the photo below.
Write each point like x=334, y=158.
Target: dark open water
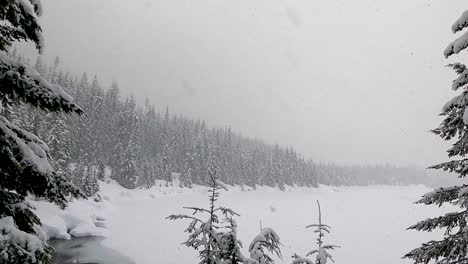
x=86, y=250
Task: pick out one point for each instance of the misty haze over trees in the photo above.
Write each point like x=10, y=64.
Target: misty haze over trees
x=141, y=145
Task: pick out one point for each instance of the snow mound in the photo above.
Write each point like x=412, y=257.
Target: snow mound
x=81, y=218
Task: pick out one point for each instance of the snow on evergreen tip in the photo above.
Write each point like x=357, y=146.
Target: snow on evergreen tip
x=32, y=7
x=222, y=185
x=22, y=17
x=300, y=260
x=34, y=90
x=457, y=45
x=266, y=240
x=461, y=42
x=27, y=247
x=31, y=150
x=461, y=22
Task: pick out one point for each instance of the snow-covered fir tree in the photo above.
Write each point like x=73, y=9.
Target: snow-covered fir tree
x=101, y=171
x=186, y=179
x=321, y=253
x=453, y=247
x=128, y=172
x=266, y=241
x=59, y=142
x=90, y=182
x=215, y=236
x=25, y=168
x=165, y=163
x=230, y=245
x=78, y=174
x=208, y=235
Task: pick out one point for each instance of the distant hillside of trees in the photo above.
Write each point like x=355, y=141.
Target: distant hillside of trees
x=141, y=145
x=338, y=175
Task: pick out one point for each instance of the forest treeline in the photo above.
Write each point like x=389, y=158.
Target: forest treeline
x=332, y=174
x=141, y=145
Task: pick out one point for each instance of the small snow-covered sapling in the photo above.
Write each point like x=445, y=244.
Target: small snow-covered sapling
x=321, y=252
x=206, y=235
x=266, y=240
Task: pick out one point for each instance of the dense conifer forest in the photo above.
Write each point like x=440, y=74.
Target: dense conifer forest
x=136, y=144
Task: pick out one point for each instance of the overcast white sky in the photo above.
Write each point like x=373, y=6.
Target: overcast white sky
x=357, y=81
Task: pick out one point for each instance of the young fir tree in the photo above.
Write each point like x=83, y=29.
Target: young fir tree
x=25, y=168
x=453, y=248
x=78, y=174
x=187, y=174
x=127, y=171
x=127, y=176
x=147, y=177
x=230, y=246
x=59, y=143
x=321, y=253
x=207, y=235
x=267, y=240
x=101, y=171
x=166, y=164
x=91, y=185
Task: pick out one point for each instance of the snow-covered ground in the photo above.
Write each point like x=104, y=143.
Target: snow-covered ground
x=367, y=222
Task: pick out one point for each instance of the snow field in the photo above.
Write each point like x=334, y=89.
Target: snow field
x=369, y=223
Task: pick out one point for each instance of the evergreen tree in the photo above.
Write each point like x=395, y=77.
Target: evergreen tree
x=112, y=142
x=188, y=171
x=127, y=176
x=206, y=235
x=101, y=171
x=25, y=166
x=79, y=174
x=230, y=246
x=127, y=149
x=321, y=253
x=80, y=130
x=59, y=143
x=267, y=240
x=166, y=164
x=453, y=248
x=90, y=182
x=147, y=178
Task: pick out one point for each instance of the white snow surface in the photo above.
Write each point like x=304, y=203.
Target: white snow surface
x=81, y=218
x=364, y=219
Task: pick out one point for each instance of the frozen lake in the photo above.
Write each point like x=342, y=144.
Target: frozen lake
x=369, y=223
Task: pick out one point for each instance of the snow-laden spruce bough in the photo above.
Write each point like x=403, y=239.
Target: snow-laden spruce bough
x=453, y=248
x=216, y=238
x=25, y=168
